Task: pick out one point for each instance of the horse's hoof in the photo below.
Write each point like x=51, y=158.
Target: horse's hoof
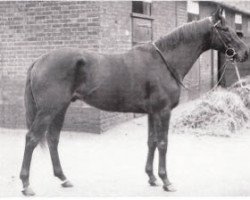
x=169, y=188
x=152, y=181
x=67, y=184
x=28, y=192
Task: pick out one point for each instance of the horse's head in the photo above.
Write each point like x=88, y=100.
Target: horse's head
x=225, y=39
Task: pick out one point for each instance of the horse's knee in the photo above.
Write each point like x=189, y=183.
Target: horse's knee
x=152, y=143
x=149, y=170
x=162, y=145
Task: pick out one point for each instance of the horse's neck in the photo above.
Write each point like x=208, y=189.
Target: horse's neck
x=182, y=51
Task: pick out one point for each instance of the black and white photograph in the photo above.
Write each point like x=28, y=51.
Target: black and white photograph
x=124, y=98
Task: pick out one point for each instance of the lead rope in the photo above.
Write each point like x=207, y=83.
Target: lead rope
x=224, y=67
x=237, y=73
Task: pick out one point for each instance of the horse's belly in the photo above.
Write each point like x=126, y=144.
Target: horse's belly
x=109, y=100
x=115, y=104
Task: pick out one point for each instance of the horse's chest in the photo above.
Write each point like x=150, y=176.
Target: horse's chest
x=159, y=101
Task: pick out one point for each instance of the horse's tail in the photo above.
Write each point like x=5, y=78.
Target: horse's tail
x=30, y=104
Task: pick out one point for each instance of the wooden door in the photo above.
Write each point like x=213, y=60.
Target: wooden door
x=142, y=30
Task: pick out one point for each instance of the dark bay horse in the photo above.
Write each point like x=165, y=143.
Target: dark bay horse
x=136, y=81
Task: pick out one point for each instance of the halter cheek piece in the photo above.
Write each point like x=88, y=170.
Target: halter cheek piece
x=230, y=52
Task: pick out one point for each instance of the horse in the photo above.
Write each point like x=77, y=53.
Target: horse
x=145, y=79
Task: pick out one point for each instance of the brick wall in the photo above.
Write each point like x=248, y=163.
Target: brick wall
x=181, y=9
x=116, y=33
x=29, y=29
x=164, y=18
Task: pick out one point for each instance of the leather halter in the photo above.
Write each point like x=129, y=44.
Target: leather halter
x=229, y=52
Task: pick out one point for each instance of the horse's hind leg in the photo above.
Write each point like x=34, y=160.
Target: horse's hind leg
x=152, y=143
x=34, y=135
x=53, y=136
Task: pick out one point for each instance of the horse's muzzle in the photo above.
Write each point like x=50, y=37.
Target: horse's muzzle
x=239, y=57
x=244, y=57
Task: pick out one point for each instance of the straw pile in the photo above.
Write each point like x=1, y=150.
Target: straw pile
x=244, y=92
x=218, y=113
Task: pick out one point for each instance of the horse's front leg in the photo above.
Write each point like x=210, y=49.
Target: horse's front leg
x=161, y=121
x=152, y=143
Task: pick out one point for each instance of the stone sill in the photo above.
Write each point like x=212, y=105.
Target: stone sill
x=142, y=16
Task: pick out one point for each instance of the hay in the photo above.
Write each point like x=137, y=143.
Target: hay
x=218, y=113
x=244, y=92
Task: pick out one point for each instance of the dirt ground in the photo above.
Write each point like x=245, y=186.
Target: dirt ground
x=112, y=164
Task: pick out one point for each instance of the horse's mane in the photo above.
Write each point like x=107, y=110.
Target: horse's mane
x=182, y=34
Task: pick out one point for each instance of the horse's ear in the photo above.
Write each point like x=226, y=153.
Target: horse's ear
x=217, y=15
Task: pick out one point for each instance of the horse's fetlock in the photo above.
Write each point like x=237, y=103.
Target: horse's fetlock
x=23, y=175
x=162, y=174
x=148, y=170
x=59, y=174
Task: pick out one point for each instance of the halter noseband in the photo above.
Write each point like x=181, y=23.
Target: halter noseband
x=230, y=52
